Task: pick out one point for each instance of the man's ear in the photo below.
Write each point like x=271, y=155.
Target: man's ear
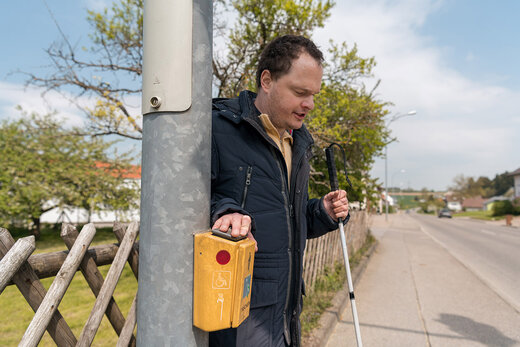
x=266, y=80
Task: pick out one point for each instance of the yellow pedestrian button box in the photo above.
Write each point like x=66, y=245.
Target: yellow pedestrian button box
x=223, y=272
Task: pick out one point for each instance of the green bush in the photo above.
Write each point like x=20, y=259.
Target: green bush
x=503, y=207
x=516, y=207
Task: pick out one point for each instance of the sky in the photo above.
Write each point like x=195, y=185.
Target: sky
x=453, y=62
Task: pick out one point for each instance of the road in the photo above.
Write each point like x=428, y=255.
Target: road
x=491, y=252
x=437, y=282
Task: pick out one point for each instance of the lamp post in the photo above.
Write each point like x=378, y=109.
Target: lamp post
x=393, y=119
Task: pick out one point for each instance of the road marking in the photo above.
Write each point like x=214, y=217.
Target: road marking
x=488, y=232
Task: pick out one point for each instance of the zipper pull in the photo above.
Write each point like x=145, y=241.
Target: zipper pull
x=248, y=176
x=291, y=211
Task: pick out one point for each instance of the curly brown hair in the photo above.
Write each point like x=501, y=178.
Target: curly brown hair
x=278, y=55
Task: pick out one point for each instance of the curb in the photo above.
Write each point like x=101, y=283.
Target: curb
x=332, y=315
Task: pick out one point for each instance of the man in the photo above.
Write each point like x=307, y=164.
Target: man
x=259, y=187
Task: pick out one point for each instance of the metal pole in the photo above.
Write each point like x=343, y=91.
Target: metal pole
x=176, y=163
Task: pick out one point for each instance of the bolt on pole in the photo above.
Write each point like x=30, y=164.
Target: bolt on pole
x=176, y=164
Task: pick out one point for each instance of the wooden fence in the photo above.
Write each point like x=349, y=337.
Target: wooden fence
x=19, y=267
x=326, y=250
x=25, y=271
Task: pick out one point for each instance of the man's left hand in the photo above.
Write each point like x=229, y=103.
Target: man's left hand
x=336, y=204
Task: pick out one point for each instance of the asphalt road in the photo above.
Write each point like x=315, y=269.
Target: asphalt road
x=491, y=252
x=437, y=282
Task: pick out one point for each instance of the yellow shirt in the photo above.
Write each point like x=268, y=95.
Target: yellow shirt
x=284, y=142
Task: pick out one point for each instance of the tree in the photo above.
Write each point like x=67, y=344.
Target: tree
x=106, y=70
x=345, y=111
x=483, y=186
x=45, y=166
x=502, y=183
x=259, y=22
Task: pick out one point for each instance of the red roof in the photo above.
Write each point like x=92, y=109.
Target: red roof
x=474, y=202
x=133, y=172
x=515, y=173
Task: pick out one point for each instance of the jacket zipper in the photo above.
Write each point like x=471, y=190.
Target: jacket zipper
x=293, y=191
x=246, y=186
x=288, y=213
x=288, y=209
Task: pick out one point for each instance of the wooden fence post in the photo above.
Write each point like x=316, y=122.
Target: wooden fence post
x=14, y=259
x=95, y=280
x=50, y=303
x=92, y=325
x=133, y=257
x=33, y=291
x=128, y=329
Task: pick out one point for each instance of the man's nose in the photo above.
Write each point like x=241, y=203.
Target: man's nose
x=308, y=102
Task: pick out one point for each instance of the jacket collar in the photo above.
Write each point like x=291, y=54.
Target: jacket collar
x=242, y=108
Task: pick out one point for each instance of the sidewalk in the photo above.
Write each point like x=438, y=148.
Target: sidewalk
x=414, y=293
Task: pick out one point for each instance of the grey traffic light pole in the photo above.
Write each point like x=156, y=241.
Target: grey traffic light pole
x=176, y=159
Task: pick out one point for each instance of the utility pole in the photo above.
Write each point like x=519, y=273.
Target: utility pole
x=176, y=164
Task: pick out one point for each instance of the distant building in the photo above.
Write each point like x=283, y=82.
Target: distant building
x=103, y=217
x=516, y=176
x=453, y=202
x=488, y=204
x=475, y=203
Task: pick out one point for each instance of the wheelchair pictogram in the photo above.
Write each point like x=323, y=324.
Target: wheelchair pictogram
x=221, y=279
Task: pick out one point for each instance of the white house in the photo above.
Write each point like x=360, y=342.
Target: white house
x=103, y=217
x=516, y=176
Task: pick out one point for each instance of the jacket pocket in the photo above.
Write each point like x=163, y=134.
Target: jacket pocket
x=247, y=183
x=264, y=293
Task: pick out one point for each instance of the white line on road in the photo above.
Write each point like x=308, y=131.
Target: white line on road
x=488, y=232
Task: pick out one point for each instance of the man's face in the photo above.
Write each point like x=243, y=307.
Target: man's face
x=290, y=98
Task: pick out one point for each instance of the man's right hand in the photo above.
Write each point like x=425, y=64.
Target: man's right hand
x=240, y=225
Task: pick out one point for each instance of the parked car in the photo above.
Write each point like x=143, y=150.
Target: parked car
x=445, y=212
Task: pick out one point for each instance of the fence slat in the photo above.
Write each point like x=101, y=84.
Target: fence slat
x=47, y=265
x=14, y=258
x=95, y=280
x=33, y=291
x=128, y=330
x=50, y=303
x=92, y=325
x=133, y=257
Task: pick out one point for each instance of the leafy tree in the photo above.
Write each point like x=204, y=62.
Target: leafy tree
x=483, y=186
x=104, y=70
x=502, y=183
x=45, y=166
x=259, y=22
x=345, y=111
x=428, y=202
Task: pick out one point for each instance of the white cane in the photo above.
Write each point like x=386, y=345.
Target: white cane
x=334, y=186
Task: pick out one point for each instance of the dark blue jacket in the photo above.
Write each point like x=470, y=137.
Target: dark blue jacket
x=248, y=175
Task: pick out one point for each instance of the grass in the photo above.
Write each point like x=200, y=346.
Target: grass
x=77, y=302
x=326, y=287
x=406, y=201
x=483, y=215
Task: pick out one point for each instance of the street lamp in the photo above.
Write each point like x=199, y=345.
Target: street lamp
x=393, y=119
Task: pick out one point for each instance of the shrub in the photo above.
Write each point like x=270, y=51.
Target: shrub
x=516, y=207
x=502, y=207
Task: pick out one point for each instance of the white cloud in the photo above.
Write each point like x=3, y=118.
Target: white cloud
x=30, y=99
x=462, y=125
x=96, y=5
